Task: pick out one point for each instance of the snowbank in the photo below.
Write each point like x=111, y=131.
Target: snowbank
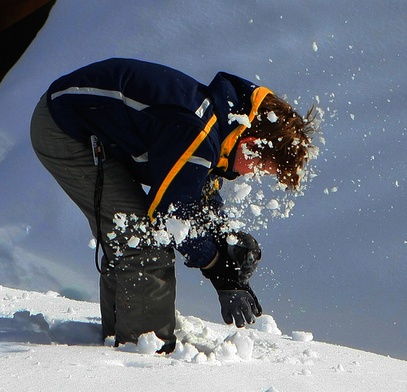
x=51, y=343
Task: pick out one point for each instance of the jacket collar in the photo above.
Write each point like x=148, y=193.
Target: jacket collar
x=229, y=144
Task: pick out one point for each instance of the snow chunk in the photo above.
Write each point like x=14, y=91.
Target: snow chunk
x=272, y=204
x=177, y=228
x=255, y=209
x=162, y=237
x=226, y=351
x=301, y=336
x=242, y=191
x=232, y=239
x=92, y=244
x=133, y=242
x=244, y=345
x=147, y=343
x=266, y=323
x=120, y=220
x=271, y=116
x=242, y=119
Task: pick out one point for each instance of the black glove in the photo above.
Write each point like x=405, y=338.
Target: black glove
x=247, y=254
x=241, y=306
x=230, y=276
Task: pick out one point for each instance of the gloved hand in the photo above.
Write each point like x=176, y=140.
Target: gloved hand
x=247, y=254
x=230, y=274
x=241, y=306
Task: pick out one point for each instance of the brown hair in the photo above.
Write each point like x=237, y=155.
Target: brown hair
x=286, y=138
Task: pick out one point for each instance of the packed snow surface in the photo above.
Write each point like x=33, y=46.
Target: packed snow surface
x=51, y=343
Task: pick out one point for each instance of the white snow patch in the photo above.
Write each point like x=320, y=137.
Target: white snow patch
x=242, y=119
x=177, y=228
x=271, y=116
x=301, y=336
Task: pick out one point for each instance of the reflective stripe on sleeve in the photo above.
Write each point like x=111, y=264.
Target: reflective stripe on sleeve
x=101, y=93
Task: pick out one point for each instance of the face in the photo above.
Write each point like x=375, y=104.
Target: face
x=246, y=162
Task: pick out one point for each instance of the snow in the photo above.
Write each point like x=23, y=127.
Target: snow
x=335, y=268
x=242, y=119
x=49, y=343
x=271, y=116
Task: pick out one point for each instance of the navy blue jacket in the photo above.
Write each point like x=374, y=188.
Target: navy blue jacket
x=170, y=130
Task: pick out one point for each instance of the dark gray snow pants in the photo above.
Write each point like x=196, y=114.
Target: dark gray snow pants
x=137, y=294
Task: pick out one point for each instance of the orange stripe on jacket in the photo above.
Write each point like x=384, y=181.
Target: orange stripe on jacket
x=179, y=165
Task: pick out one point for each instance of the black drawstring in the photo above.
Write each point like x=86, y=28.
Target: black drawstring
x=98, y=156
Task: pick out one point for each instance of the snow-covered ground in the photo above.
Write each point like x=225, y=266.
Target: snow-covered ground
x=65, y=354
x=336, y=267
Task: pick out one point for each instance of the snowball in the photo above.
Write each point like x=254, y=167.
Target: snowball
x=255, y=209
x=301, y=336
x=133, y=242
x=232, y=239
x=271, y=116
x=92, y=244
x=272, y=204
x=148, y=343
x=242, y=119
x=266, y=323
x=177, y=228
x=241, y=191
x=112, y=235
x=161, y=237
